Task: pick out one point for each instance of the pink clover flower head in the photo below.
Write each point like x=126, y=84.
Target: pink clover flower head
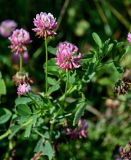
x=129, y=37
x=45, y=24
x=23, y=89
x=19, y=39
x=66, y=56
x=7, y=27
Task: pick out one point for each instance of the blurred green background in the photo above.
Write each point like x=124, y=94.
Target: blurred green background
x=77, y=20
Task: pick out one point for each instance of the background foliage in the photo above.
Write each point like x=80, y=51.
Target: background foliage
x=108, y=128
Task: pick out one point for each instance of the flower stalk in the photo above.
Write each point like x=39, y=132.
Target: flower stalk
x=46, y=66
x=21, y=62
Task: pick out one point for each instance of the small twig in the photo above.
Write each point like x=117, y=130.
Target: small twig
x=94, y=111
x=62, y=13
x=118, y=15
x=100, y=11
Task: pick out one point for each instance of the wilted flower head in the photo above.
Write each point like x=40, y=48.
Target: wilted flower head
x=122, y=86
x=129, y=37
x=21, y=78
x=19, y=39
x=23, y=89
x=66, y=57
x=45, y=24
x=7, y=27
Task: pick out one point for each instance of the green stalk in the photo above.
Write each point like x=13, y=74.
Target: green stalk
x=51, y=131
x=52, y=124
x=67, y=81
x=46, y=66
x=21, y=62
x=5, y=134
x=62, y=98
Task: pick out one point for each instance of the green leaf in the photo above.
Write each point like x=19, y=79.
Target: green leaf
x=105, y=81
x=127, y=49
x=110, y=47
x=23, y=110
x=22, y=100
x=34, y=119
x=39, y=146
x=90, y=72
x=52, y=50
x=5, y=115
x=2, y=87
x=48, y=150
x=52, y=81
x=72, y=89
x=97, y=39
x=45, y=147
x=28, y=130
x=14, y=129
x=120, y=44
x=53, y=88
x=46, y=135
x=79, y=112
x=118, y=67
x=52, y=67
x=72, y=78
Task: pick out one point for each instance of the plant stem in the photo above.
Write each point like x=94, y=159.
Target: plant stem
x=67, y=80
x=36, y=131
x=51, y=131
x=46, y=67
x=21, y=62
x=33, y=100
x=62, y=98
x=52, y=124
x=5, y=134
